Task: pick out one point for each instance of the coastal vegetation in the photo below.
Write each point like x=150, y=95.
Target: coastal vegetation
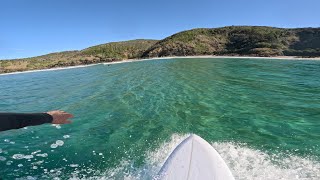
x=226, y=41
x=114, y=51
x=240, y=41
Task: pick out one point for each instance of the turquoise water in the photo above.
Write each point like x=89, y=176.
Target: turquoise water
x=262, y=115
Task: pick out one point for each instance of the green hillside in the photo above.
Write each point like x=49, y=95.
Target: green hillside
x=240, y=40
x=114, y=51
x=120, y=50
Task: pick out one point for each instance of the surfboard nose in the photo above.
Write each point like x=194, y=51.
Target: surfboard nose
x=194, y=158
x=194, y=137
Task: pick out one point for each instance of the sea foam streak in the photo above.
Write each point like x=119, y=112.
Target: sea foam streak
x=247, y=163
x=244, y=162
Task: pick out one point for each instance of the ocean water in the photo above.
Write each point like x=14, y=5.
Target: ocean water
x=261, y=115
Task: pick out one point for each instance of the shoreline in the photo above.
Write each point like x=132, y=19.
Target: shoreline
x=158, y=58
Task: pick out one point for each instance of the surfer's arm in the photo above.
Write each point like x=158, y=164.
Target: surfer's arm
x=19, y=120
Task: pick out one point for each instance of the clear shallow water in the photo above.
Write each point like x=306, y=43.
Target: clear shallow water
x=263, y=116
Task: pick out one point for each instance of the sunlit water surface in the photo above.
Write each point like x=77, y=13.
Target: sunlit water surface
x=262, y=116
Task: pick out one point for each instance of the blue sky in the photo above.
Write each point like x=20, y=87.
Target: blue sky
x=36, y=27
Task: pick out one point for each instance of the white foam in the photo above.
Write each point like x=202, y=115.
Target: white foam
x=42, y=155
x=18, y=156
x=66, y=136
x=53, y=145
x=74, y=165
x=56, y=126
x=2, y=158
x=28, y=156
x=244, y=162
x=125, y=169
x=35, y=152
x=37, y=162
x=31, y=178
x=158, y=156
x=247, y=163
x=59, y=142
x=22, y=156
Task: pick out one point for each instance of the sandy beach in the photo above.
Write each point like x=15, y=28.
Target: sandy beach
x=157, y=58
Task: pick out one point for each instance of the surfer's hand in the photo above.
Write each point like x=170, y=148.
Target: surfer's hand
x=60, y=117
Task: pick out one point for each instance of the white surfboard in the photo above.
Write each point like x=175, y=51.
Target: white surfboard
x=195, y=159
